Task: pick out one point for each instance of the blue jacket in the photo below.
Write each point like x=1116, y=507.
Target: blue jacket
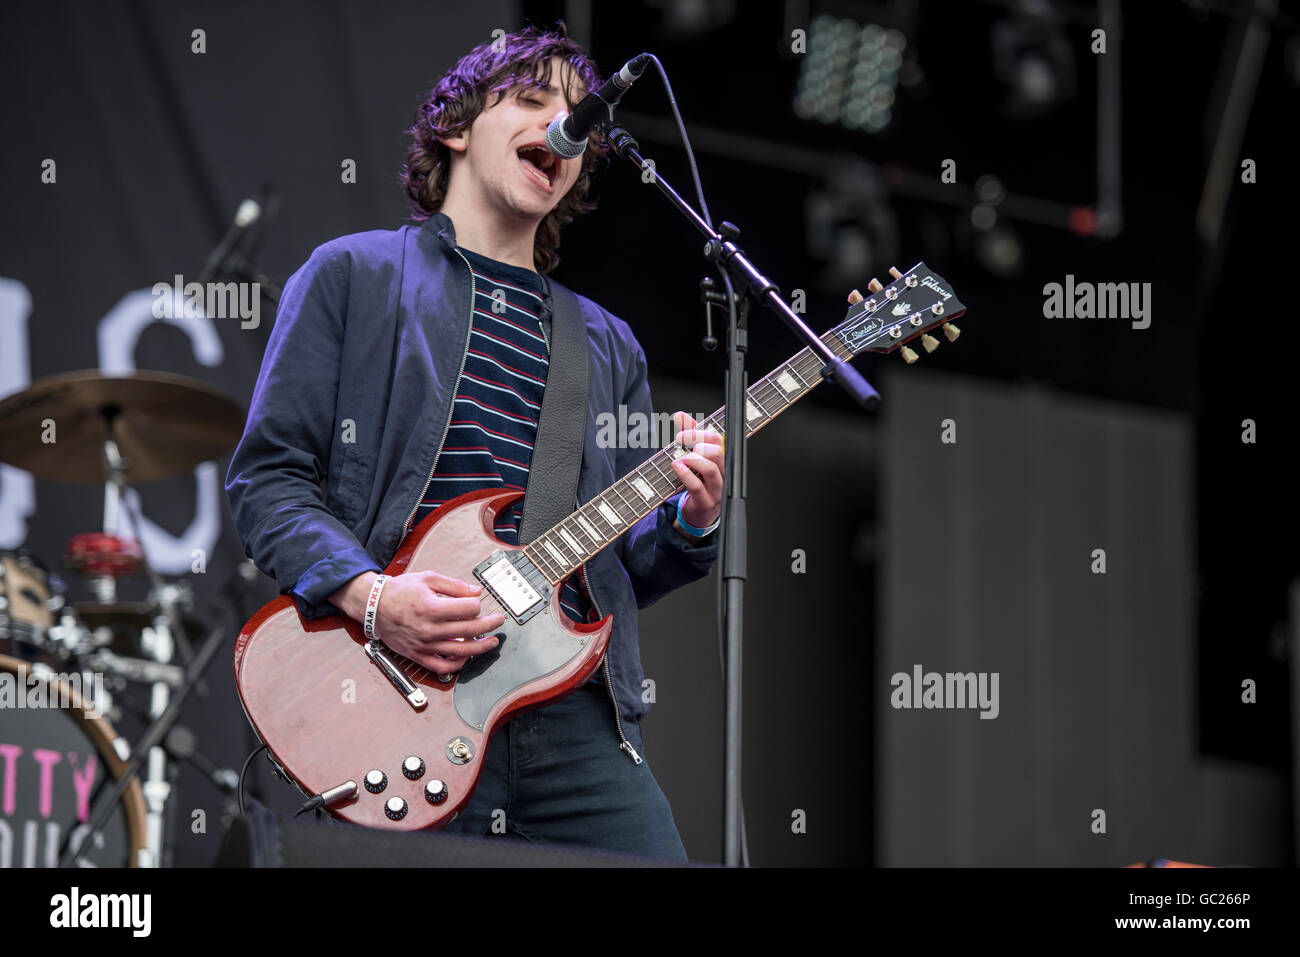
x=349, y=411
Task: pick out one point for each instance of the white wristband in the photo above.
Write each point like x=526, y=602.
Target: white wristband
x=372, y=607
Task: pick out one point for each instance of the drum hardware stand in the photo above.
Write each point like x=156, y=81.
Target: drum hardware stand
x=144, y=749
x=115, y=467
x=68, y=639
x=154, y=735
x=181, y=745
x=159, y=644
x=180, y=742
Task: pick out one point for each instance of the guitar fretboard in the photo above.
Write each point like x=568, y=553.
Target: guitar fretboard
x=560, y=550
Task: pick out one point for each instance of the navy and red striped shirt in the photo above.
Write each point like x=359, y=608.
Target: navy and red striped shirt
x=498, y=402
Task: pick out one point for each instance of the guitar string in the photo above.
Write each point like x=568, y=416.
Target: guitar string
x=806, y=373
x=805, y=366
x=423, y=673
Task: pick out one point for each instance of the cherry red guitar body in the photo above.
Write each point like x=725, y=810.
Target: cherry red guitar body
x=329, y=715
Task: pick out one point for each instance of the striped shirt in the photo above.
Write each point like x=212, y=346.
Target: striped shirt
x=498, y=402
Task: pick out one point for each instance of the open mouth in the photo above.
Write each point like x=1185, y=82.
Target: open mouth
x=540, y=164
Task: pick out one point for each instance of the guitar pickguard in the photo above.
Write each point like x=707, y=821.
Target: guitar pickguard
x=526, y=652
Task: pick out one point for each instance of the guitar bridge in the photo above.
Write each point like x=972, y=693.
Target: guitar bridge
x=410, y=690
x=515, y=582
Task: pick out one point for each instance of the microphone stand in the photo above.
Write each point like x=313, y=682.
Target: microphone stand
x=720, y=248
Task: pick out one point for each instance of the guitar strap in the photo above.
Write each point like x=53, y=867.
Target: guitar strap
x=562, y=424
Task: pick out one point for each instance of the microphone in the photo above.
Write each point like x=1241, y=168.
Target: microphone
x=248, y=213
x=567, y=138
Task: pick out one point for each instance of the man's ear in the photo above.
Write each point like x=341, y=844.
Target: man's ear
x=458, y=143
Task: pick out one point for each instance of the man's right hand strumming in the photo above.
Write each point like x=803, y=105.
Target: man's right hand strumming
x=425, y=616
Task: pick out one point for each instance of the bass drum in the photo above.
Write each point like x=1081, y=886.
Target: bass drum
x=56, y=754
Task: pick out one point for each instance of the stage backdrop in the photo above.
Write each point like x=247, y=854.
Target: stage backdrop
x=1052, y=548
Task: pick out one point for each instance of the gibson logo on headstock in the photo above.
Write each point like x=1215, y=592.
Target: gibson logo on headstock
x=930, y=283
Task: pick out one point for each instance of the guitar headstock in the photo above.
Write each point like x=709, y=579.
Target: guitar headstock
x=891, y=316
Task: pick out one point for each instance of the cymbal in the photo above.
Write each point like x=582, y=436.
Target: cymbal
x=164, y=424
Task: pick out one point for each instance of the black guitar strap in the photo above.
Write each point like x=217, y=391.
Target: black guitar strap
x=557, y=452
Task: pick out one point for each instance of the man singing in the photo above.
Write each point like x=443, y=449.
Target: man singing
x=409, y=366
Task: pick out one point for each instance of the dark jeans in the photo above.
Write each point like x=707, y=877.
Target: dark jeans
x=557, y=776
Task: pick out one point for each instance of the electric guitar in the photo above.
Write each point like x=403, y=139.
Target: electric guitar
x=383, y=741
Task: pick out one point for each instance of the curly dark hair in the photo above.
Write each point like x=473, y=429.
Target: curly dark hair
x=512, y=61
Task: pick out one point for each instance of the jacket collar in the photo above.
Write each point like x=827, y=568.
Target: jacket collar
x=440, y=225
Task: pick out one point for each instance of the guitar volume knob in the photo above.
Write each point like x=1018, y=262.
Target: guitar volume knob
x=395, y=809
x=435, y=791
x=413, y=767
x=376, y=780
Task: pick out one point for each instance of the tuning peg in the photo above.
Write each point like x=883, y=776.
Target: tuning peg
x=855, y=297
x=874, y=285
x=951, y=331
x=930, y=342
x=909, y=356
x=893, y=271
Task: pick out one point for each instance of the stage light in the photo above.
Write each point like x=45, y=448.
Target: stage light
x=850, y=227
x=1032, y=56
x=999, y=250
x=997, y=246
x=850, y=75
x=687, y=19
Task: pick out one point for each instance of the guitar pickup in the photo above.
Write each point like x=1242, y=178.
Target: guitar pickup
x=516, y=583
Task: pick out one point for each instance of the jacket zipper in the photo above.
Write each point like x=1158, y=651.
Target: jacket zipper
x=625, y=744
x=451, y=409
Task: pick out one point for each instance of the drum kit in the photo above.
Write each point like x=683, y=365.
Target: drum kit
x=68, y=667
